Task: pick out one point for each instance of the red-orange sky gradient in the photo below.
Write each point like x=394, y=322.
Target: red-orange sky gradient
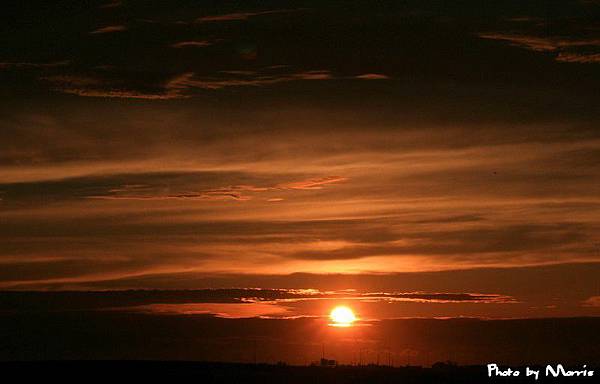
x=407, y=160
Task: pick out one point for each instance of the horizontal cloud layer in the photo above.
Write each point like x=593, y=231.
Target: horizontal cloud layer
x=164, y=145
x=85, y=300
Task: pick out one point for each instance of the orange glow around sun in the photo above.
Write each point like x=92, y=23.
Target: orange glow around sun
x=342, y=316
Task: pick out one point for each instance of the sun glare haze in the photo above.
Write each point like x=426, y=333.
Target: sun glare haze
x=342, y=316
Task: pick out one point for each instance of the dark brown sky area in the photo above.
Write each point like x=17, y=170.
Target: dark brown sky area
x=409, y=159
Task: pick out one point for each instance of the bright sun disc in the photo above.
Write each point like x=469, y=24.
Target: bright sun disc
x=342, y=316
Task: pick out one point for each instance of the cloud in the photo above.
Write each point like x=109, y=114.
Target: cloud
x=238, y=16
x=316, y=183
x=531, y=42
x=11, y=65
x=94, y=86
x=117, y=93
x=593, y=301
x=192, y=43
x=209, y=195
x=109, y=29
x=73, y=80
x=235, y=192
x=409, y=204
x=372, y=76
x=570, y=57
x=439, y=297
x=569, y=50
x=486, y=243
x=243, y=169
x=190, y=81
x=114, y=4
x=177, y=87
x=32, y=301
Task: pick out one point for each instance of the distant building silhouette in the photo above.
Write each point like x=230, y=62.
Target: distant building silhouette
x=328, y=363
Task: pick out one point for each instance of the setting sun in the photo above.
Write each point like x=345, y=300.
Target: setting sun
x=342, y=316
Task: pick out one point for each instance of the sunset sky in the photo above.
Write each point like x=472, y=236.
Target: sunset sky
x=410, y=159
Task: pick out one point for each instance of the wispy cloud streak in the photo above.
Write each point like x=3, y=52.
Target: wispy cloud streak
x=570, y=50
x=108, y=29
x=237, y=16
